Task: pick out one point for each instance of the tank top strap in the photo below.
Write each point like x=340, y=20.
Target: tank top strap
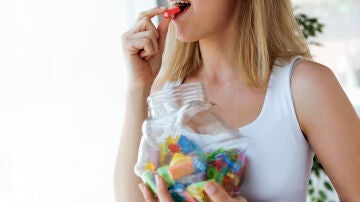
x=281, y=99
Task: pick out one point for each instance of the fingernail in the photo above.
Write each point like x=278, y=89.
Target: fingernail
x=141, y=186
x=157, y=179
x=210, y=188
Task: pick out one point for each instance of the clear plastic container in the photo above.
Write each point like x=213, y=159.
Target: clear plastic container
x=186, y=143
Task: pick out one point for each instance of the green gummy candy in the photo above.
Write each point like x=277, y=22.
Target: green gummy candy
x=164, y=173
x=211, y=157
x=211, y=172
x=199, y=185
x=149, y=179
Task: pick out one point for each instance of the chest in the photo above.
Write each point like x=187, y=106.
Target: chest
x=237, y=105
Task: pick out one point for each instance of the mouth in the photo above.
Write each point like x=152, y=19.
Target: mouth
x=177, y=7
x=181, y=4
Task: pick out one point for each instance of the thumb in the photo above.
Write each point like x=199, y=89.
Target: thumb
x=216, y=193
x=163, y=29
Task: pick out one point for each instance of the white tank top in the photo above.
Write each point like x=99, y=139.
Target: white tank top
x=279, y=157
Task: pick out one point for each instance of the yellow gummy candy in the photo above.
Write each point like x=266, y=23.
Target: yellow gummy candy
x=196, y=191
x=179, y=158
x=150, y=166
x=236, y=179
x=169, y=140
x=163, y=150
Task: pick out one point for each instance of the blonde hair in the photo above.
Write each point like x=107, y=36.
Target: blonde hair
x=269, y=32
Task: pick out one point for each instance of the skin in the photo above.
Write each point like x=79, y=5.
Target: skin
x=325, y=114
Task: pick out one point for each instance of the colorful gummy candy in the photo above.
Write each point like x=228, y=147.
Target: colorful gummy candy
x=185, y=168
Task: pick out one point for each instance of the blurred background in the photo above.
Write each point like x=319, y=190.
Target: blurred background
x=62, y=90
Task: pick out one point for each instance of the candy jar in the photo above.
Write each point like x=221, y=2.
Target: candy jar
x=187, y=143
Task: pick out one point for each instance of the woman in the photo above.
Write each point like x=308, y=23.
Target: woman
x=255, y=64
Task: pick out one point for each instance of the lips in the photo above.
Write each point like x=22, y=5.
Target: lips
x=177, y=7
x=181, y=4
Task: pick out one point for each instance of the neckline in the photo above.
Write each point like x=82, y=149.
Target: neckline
x=262, y=111
x=264, y=105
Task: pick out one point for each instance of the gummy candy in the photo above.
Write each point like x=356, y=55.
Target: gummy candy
x=185, y=168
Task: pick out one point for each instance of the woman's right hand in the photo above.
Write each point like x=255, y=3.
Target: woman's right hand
x=143, y=46
x=213, y=190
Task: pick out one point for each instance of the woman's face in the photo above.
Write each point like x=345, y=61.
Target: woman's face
x=205, y=18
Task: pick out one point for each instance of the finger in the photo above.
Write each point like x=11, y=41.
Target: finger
x=143, y=44
x=216, y=193
x=151, y=12
x=162, y=191
x=147, y=58
x=144, y=25
x=151, y=34
x=163, y=29
x=148, y=195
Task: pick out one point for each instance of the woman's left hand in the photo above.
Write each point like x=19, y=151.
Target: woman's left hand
x=213, y=190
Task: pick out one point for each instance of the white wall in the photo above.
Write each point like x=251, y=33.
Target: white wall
x=61, y=99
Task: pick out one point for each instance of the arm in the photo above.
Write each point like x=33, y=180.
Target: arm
x=143, y=47
x=330, y=124
x=126, y=182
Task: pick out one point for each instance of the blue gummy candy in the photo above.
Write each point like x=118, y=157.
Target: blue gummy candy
x=200, y=166
x=176, y=196
x=228, y=161
x=178, y=188
x=185, y=144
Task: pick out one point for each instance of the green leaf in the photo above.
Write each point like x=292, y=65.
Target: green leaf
x=322, y=194
x=328, y=186
x=311, y=191
x=313, y=20
x=317, y=173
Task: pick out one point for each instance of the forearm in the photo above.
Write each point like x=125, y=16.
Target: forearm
x=126, y=182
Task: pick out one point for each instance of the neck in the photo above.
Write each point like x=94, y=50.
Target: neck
x=219, y=54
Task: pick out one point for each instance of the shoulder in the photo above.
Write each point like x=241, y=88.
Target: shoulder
x=310, y=77
x=317, y=94
x=308, y=73
x=311, y=84
x=312, y=80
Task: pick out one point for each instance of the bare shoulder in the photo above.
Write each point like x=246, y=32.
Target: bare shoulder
x=312, y=78
x=318, y=94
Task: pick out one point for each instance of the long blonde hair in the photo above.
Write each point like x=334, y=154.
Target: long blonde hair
x=269, y=32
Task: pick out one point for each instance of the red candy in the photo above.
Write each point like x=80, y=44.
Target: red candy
x=174, y=148
x=219, y=164
x=171, y=12
x=228, y=183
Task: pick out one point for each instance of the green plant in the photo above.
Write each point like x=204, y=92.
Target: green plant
x=318, y=189
x=310, y=27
